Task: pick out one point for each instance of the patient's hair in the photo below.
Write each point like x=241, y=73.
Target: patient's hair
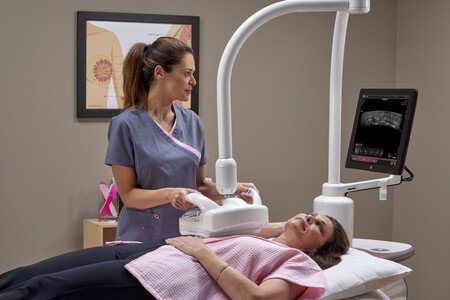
x=330, y=253
x=140, y=63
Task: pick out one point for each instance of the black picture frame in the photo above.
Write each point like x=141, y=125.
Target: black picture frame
x=100, y=73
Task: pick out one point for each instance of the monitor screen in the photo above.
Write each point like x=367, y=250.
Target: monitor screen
x=381, y=130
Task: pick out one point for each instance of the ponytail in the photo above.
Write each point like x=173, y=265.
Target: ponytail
x=136, y=80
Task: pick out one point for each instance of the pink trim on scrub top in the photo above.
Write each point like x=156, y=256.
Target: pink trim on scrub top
x=178, y=142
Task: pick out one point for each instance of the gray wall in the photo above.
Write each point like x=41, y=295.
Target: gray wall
x=51, y=162
x=421, y=211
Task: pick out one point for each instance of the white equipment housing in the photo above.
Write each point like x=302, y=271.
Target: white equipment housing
x=235, y=216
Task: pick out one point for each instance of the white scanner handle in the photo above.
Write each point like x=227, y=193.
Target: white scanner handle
x=255, y=196
x=203, y=202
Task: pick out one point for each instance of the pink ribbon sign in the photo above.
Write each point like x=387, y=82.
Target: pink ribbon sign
x=108, y=193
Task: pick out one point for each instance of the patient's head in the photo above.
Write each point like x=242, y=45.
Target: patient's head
x=320, y=236
x=331, y=251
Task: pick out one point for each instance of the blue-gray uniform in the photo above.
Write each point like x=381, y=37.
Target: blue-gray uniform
x=160, y=159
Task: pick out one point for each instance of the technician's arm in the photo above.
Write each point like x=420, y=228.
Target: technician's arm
x=135, y=197
x=206, y=187
x=233, y=283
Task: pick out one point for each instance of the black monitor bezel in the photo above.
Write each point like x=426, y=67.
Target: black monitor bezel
x=404, y=139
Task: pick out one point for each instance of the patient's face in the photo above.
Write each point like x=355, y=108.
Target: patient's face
x=309, y=232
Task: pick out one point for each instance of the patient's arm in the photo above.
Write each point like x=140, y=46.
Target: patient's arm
x=232, y=282
x=272, y=230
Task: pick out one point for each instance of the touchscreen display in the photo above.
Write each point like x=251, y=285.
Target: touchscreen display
x=381, y=130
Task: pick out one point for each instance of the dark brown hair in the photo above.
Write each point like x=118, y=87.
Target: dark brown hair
x=140, y=64
x=337, y=245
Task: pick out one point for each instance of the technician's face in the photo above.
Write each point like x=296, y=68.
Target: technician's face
x=309, y=232
x=180, y=81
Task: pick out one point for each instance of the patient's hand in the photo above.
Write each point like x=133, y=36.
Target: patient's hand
x=190, y=245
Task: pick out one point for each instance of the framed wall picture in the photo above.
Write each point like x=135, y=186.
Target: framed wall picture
x=104, y=39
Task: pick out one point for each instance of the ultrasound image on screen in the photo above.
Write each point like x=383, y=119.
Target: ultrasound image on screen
x=379, y=129
x=381, y=118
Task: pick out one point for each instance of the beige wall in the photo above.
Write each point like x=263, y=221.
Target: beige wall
x=51, y=162
x=421, y=211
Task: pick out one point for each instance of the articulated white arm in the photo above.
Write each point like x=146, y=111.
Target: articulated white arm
x=341, y=189
x=226, y=174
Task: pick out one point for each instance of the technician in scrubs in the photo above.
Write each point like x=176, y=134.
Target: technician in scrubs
x=156, y=147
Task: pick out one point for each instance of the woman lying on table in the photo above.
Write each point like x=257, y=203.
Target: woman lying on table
x=236, y=267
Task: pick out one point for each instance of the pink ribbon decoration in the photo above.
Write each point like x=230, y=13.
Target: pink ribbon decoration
x=108, y=193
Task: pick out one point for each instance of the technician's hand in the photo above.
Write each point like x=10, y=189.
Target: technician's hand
x=177, y=197
x=243, y=187
x=191, y=245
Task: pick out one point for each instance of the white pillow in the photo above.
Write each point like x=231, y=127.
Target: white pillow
x=359, y=273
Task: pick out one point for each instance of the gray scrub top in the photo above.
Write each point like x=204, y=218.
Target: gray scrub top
x=160, y=159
